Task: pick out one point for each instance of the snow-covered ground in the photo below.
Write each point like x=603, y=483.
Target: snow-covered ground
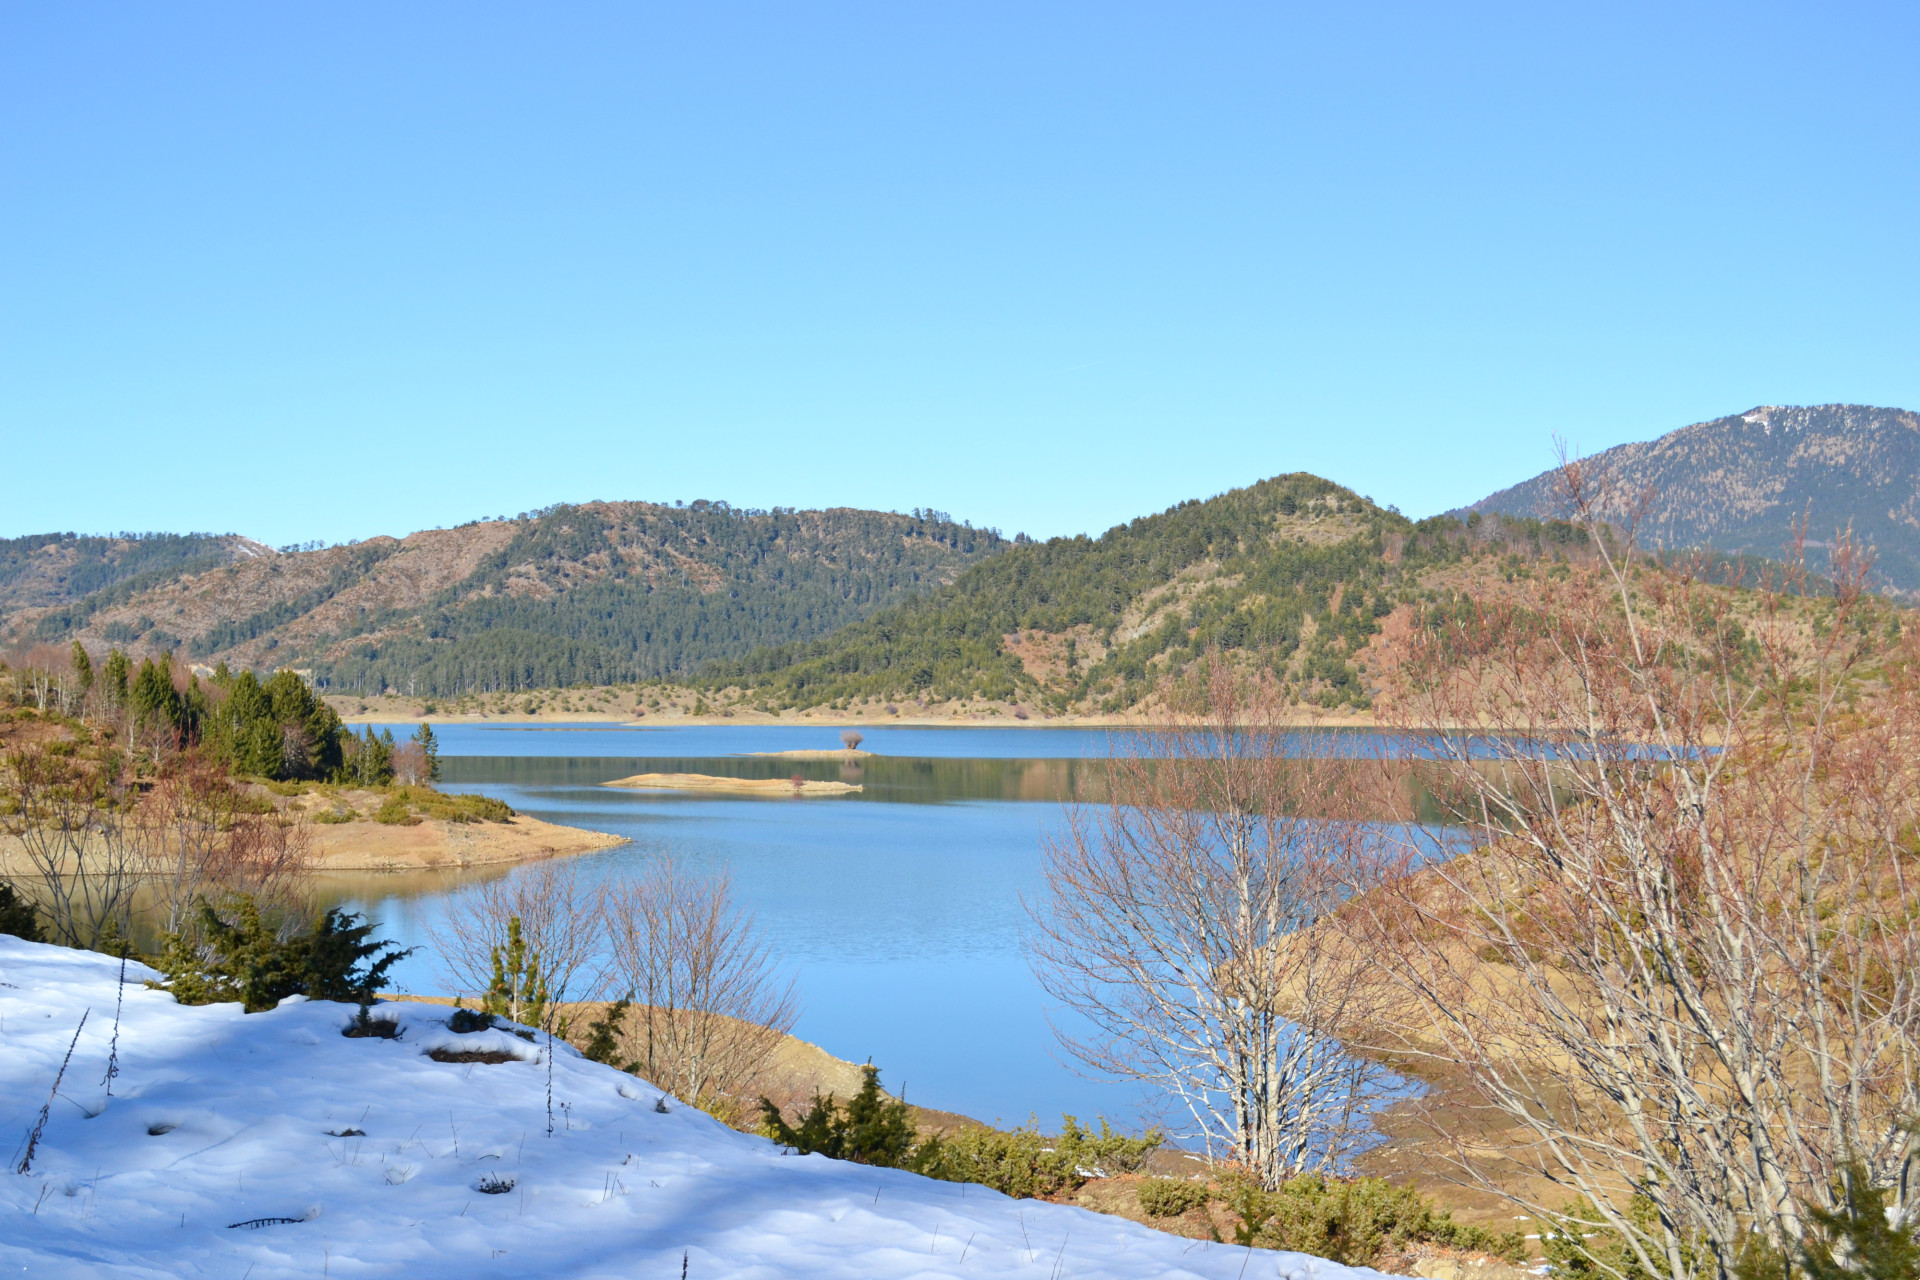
x=222, y=1127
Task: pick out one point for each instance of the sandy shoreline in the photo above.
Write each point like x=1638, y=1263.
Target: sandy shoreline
x=428, y=845
x=433, y=844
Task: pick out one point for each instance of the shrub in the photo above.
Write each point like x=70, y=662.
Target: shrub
x=1353, y=1221
x=393, y=812
x=870, y=1128
x=1171, y=1197
x=333, y=816
x=365, y=1026
x=18, y=916
x=603, y=1036
x=239, y=957
x=466, y=1021
x=1026, y=1163
x=463, y=808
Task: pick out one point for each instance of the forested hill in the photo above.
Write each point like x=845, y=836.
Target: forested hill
x=1294, y=571
x=597, y=593
x=50, y=569
x=1738, y=484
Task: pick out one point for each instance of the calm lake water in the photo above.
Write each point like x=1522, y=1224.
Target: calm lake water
x=898, y=908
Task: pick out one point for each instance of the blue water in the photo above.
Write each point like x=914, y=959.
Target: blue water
x=899, y=910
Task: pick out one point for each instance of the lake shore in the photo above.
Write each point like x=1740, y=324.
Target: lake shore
x=430, y=844
x=434, y=844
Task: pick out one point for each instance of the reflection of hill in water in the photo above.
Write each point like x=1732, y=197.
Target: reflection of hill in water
x=885, y=779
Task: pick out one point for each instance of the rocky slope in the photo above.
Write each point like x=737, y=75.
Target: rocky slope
x=1737, y=484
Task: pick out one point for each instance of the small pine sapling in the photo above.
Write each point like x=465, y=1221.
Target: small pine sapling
x=603, y=1037
x=518, y=991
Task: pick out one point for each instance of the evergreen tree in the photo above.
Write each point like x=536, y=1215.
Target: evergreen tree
x=245, y=959
x=518, y=991
x=1855, y=1241
x=117, y=674
x=82, y=667
x=429, y=747
x=870, y=1128
x=155, y=701
x=277, y=729
x=368, y=759
x=603, y=1038
x=17, y=915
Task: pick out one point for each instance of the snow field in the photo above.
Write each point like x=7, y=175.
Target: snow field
x=377, y=1152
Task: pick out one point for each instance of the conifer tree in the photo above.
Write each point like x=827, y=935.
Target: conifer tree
x=1856, y=1240
x=870, y=1128
x=429, y=747
x=154, y=699
x=245, y=959
x=518, y=991
x=603, y=1038
x=82, y=667
x=117, y=673
x=18, y=916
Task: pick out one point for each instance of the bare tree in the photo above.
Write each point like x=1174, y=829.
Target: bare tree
x=411, y=767
x=198, y=834
x=851, y=739
x=1683, y=963
x=709, y=1009
x=1186, y=924
x=560, y=915
x=69, y=818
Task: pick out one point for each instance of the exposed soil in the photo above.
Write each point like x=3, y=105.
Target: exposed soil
x=492, y=1057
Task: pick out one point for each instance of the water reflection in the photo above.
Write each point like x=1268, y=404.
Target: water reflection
x=899, y=906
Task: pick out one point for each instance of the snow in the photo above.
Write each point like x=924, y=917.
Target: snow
x=218, y=1118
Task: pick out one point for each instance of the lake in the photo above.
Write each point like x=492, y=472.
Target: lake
x=898, y=908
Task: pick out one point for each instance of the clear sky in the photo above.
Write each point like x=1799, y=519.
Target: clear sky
x=326, y=271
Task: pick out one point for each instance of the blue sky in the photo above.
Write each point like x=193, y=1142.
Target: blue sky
x=306, y=271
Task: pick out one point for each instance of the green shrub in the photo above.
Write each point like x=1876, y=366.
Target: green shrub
x=1171, y=1197
x=872, y=1128
x=394, y=812
x=335, y=816
x=1026, y=1163
x=603, y=1035
x=1353, y=1221
x=869, y=1128
x=238, y=956
x=467, y=1021
x=462, y=808
x=18, y=916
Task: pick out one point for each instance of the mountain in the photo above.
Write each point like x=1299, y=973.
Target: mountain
x=596, y=593
x=1294, y=570
x=1737, y=484
x=50, y=569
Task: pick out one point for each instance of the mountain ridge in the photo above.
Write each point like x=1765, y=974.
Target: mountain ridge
x=1737, y=484
x=589, y=593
